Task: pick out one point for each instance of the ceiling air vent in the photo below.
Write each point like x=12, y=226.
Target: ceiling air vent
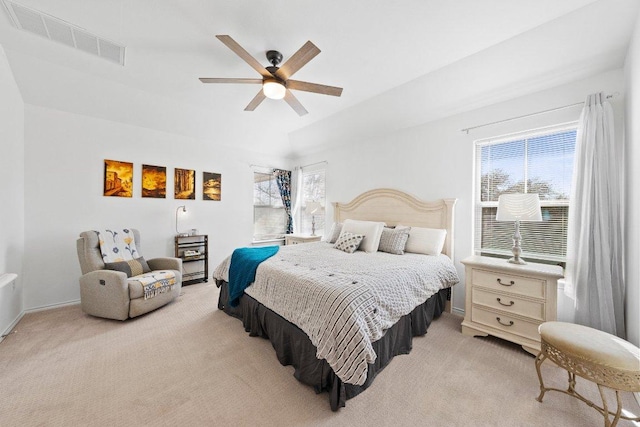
x=63, y=32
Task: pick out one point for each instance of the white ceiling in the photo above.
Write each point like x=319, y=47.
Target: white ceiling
x=401, y=63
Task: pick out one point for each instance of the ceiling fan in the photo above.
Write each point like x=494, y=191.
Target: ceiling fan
x=275, y=81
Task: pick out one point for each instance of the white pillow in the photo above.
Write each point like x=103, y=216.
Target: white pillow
x=428, y=241
x=370, y=229
x=336, y=228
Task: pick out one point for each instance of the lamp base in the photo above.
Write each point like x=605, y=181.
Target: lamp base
x=517, y=260
x=517, y=249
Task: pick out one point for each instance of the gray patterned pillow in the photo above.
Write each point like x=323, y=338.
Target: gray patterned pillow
x=335, y=232
x=393, y=240
x=133, y=267
x=348, y=242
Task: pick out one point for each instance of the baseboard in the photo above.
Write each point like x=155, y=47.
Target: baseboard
x=11, y=326
x=458, y=311
x=52, y=306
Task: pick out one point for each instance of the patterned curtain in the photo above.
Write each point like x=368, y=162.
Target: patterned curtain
x=283, y=178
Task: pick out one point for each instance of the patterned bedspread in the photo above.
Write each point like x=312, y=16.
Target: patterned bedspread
x=344, y=302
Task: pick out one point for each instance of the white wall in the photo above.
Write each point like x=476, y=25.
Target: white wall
x=11, y=193
x=64, y=157
x=632, y=155
x=435, y=160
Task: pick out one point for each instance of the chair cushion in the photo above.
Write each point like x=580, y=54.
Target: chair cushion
x=151, y=284
x=592, y=345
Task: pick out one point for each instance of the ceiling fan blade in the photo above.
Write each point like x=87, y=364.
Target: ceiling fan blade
x=229, y=80
x=314, y=87
x=294, y=103
x=255, y=101
x=305, y=54
x=239, y=50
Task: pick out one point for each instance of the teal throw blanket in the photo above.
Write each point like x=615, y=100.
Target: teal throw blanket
x=242, y=271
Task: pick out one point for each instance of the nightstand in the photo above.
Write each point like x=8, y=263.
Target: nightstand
x=296, y=239
x=194, y=252
x=509, y=301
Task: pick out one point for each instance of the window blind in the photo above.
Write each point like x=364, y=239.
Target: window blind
x=269, y=216
x=313, y=189
x=530, y=162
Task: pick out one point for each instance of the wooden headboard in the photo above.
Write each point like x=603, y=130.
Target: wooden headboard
x=396, y=207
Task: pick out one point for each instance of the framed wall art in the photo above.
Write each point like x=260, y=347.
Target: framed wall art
x=154, y=181
x=184, y=184
x=118, y=178
x=211, y=186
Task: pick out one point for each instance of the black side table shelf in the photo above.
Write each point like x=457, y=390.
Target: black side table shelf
x=194, y=251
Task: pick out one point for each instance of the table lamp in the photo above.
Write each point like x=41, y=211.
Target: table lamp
x=311, y=209
x=518, y=207
x=184, y=210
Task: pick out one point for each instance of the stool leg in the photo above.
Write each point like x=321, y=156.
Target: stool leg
x=539, y=359
x=605, y=408
x=572, y=382
x=619, y=411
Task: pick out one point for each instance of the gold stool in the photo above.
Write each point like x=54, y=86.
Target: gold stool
x=594, y=355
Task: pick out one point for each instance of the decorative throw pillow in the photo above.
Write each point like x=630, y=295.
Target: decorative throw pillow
x=393, y=240
x=132, y=267
x=369, y=229
x=428, y=241
x=348, y=242
x=336, y=228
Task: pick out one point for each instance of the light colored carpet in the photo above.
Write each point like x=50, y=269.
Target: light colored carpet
x=188, y=364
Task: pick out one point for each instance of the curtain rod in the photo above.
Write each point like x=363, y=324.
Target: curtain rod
x=263, y=167
x=613, y=95
x=313, y=164
x=273, y=167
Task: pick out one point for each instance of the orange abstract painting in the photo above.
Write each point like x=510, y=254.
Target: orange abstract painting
x=211, y=186
x=118, y=178
x=154, y=181
x=184, y=184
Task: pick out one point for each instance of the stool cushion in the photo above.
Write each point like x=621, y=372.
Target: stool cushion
x=592, y=345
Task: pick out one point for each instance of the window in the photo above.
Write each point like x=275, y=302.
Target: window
x=533, y=162
x=313, y=190
x=269, y=216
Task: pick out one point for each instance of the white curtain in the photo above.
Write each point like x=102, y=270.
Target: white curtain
x=296, y=197
x=595, y=278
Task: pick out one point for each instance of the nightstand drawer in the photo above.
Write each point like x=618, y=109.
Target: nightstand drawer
x=509, y=283
x=510, y=303
x=506, y=323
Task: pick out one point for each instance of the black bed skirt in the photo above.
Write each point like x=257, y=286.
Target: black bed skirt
x=293, y=346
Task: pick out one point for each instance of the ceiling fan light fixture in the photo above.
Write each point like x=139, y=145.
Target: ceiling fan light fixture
x=273, y=89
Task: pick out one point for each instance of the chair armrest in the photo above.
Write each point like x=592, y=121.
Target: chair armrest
x=105, y=293
x=167, y=263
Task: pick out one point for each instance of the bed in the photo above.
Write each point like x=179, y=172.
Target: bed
x=338, y=344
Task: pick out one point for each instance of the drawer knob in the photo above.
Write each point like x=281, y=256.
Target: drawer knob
x=511, y=282
x=505, y=324
x=506, y=305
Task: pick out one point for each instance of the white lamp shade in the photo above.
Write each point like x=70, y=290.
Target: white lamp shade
x=519, y=206
x=273, y=89
x=312, y=207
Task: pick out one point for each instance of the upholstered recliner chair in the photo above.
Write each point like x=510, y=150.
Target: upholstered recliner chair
x=115, y=295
